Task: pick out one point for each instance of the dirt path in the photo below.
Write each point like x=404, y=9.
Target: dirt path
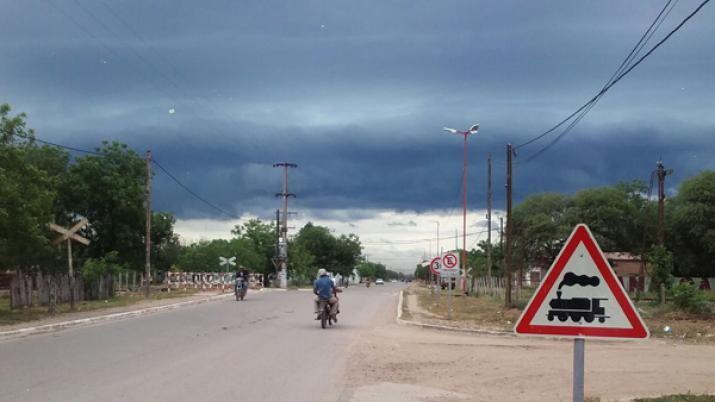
x=404, y=363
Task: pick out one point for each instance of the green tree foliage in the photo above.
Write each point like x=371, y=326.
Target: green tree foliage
x=336, y=254
x=660, y=261
x=109, y=191
x=204, y=256
x=692, y=226
x=540, y=228
x=28, y=193
x=421, y=272
x=619, y=216
x=301, y=264
x=165, y=247
x=687, y=297
x=262, y=239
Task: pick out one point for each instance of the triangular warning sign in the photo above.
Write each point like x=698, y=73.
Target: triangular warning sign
x=581, y=296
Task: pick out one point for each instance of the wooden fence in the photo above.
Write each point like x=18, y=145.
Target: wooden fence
x=28, y=289
x=490, y=285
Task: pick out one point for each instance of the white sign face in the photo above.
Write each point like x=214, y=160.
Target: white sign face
x=580, y=280
x=450, y=261
x=450, y=273
x=581, y=296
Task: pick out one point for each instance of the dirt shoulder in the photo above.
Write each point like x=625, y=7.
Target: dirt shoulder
x=405, y=363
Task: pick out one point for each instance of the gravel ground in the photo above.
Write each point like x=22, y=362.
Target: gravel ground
x=405, y=363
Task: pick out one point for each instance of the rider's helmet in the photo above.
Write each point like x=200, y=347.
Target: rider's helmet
x=322, y=272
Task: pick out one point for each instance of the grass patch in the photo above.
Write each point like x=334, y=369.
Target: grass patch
x=483, y=310
x=19, y=316
x=667, y=321
x=670, y=322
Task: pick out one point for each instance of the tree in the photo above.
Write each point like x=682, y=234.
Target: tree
x=28, y=193
x=346, y=254
x=540, y=228
x=165, y=247
x=262, y=239
x=109, y=191
x=616, y=215
x=692, y=226
x=661, y=263
x=301, y=264
x=320, y=243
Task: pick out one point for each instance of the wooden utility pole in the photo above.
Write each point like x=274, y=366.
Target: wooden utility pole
x=507, y=253
x=489, y=215
x=661, y=173
x=147, y=239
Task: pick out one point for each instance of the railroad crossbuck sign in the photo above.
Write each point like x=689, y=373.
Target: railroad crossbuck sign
x=581, y=296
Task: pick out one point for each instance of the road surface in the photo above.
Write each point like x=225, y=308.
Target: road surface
x=266, y=348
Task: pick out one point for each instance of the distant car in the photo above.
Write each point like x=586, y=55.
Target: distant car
x=379, y=282
x=393, y=281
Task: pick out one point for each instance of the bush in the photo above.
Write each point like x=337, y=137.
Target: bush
x=689, y=298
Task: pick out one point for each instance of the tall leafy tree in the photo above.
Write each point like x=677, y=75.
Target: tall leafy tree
x=262, y=238
x=109, y=191
x=692, y=226
x=29, y=178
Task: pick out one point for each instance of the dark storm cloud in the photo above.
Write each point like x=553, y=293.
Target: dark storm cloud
x=356, y=93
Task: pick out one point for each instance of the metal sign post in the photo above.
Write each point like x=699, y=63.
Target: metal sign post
x=449, y=275
x=579, y=346
x=228, y=263
x=580, y=298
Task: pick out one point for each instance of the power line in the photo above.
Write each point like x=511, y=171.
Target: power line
x=415, y=241
x=624, y=63
x=102, y=154
x=613, y=76
x=190, y=191
x=657, y=22
x=588, y=105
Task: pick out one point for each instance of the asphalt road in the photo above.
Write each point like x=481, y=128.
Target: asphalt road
x=266, y=348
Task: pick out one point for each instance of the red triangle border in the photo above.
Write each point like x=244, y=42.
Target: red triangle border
x=581, y=234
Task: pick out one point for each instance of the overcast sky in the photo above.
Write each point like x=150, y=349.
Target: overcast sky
x=356, y=93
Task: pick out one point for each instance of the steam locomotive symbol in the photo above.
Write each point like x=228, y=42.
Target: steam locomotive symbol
x=577, y=307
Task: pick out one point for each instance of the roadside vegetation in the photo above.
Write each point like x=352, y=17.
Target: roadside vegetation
x=42, y=184
x=667, y=321
x=10, y=316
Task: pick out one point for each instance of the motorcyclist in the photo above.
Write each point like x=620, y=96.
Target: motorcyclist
x=325, y=290
x=241, y=278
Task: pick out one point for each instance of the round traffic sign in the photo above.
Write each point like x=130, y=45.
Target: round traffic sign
x=449, y=261
x=435, y=266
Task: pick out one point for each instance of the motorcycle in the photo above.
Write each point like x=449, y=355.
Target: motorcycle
x=367, y=284
x=326, y=318
x=240, y=289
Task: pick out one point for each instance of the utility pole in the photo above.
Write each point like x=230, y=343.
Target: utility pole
x=147, y=240
x=282, y=257
x=507, y=253
x=489, y=215
x=661, y=173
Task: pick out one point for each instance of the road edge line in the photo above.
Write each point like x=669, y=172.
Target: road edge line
x=58, y=326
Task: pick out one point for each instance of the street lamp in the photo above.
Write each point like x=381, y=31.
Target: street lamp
x=472, y=130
